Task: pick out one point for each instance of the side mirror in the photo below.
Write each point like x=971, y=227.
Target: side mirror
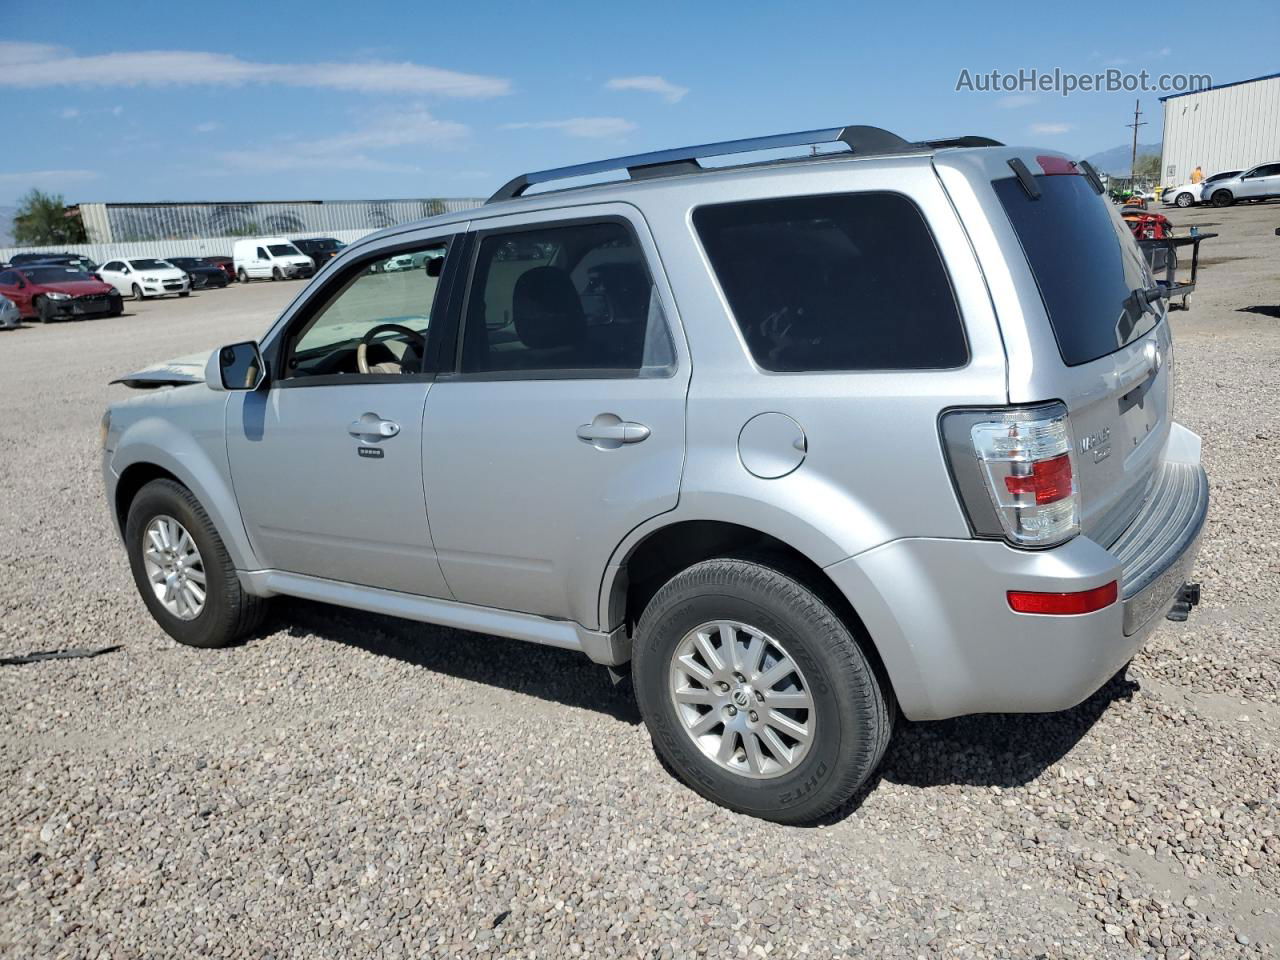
x=435, y=266
x=235, y=367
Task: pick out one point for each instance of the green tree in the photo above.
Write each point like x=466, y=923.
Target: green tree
x=1148, y=167
x=43, y=219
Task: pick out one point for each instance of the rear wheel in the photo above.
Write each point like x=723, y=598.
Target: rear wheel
x=1184, y=200
x=182, y=569
x=756, y=693
x=1223, y=198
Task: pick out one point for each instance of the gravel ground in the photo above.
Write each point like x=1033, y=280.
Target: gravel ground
x=348, y=785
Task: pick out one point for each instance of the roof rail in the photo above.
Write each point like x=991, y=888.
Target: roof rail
x=861, y=140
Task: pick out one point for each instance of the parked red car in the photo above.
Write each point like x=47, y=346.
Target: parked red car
x=47, y=292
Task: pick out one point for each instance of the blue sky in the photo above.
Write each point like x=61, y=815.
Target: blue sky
x=251, y=101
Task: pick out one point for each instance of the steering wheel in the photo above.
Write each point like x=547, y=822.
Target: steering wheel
x=362, y=351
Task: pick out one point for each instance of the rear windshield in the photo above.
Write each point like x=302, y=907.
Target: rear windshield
x=1085, y=262
x=842, y=282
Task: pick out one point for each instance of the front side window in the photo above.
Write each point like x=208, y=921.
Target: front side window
x=376, y=322
x=576, y=299
x=838, y=282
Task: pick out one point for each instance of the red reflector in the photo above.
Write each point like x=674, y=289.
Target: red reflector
x=1057, y=166
x=1049, y=480
x=1087, y=601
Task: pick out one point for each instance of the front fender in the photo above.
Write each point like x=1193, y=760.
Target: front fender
x=185, y=437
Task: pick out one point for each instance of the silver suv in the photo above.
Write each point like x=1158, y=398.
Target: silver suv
x=807, y=442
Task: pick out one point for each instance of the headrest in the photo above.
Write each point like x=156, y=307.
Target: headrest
x=546, y=309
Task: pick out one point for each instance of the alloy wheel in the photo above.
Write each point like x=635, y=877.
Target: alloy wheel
x=742, y=699
x=174, y=567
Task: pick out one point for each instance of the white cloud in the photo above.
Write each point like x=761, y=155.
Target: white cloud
x=45, y=179
x=1016, y=100
x=594, y=127
x=207, y=127
x=68, y=113
x=351, y=151
x=31, y=65
x=650, y=84
x=1049, y=128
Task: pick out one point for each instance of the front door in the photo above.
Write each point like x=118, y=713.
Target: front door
x=561, y=427
x=327, y=460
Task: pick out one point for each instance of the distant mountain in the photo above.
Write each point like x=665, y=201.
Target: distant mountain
x=1117, y=160
x=6, y=225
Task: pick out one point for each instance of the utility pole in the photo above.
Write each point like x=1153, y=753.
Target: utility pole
x=1133, y=160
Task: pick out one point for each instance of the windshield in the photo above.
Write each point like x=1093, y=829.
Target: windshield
x=284, y=250
x=189, y=262
x=1085, y=263
x=325, y=245
x=55, y=274
x=150, y=264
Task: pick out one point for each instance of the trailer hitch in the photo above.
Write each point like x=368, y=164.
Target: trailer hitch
x=1187, y=597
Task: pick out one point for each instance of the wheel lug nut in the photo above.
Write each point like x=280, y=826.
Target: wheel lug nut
x=754, y=716
x=760, y=695
x=732, y=710
x=739, y=677
x=722, y=686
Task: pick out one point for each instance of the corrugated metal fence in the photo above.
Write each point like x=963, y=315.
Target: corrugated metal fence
x=136, y=222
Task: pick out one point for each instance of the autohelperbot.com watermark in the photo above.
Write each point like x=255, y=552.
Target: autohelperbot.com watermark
x=1066, y=82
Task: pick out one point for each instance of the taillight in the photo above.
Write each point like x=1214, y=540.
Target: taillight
x=1015, y=473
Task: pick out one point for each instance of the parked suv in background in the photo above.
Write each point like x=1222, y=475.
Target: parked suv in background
x=1259, y=183
x=928, y=462
x=320, y=249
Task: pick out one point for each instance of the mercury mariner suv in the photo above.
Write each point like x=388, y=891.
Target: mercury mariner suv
x=807, y=442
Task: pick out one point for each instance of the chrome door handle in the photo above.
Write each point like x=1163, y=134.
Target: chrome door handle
x=608, y=432
x=373, y=427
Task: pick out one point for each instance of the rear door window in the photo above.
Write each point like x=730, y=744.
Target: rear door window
x=1085, y=263
x=838, y=282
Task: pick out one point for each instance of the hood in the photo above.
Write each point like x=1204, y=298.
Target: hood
x=164, y=273
x=76, y=288
x=177, y=372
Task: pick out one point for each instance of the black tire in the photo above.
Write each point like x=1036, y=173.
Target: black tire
x=1223, y=198
x=186, y=293
x=241, y=276
x=228, y=613
x=44, y=314
x=1184, y=200
x=276, y=274
x=138, y=294
x=853, y=711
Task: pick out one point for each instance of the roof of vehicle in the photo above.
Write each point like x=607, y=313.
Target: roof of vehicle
x=662, y=167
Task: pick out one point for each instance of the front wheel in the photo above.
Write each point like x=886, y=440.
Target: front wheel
x=44, y=312
x=276, y=274
x=1223, y=198
x=242, y=276
x=183, y=571
x=756, y=692
x=1184, y=200
x=137, y=293
x=184, y=293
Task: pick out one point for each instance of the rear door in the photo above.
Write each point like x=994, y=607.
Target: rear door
x=561, y=427
x=1076, y=331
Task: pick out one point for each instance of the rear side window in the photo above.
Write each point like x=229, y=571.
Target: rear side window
x=840, y=282
x=576, y=299
x=1085, y=262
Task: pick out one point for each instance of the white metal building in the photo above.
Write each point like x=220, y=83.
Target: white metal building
x=1232, y=126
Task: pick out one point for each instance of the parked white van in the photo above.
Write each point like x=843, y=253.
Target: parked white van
x=273, y=257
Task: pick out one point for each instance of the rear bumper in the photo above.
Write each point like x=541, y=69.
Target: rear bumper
x=938, y=613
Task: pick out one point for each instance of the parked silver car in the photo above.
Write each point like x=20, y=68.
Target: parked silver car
x=1258, y=183
x=807, y=442
x=10, y=315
